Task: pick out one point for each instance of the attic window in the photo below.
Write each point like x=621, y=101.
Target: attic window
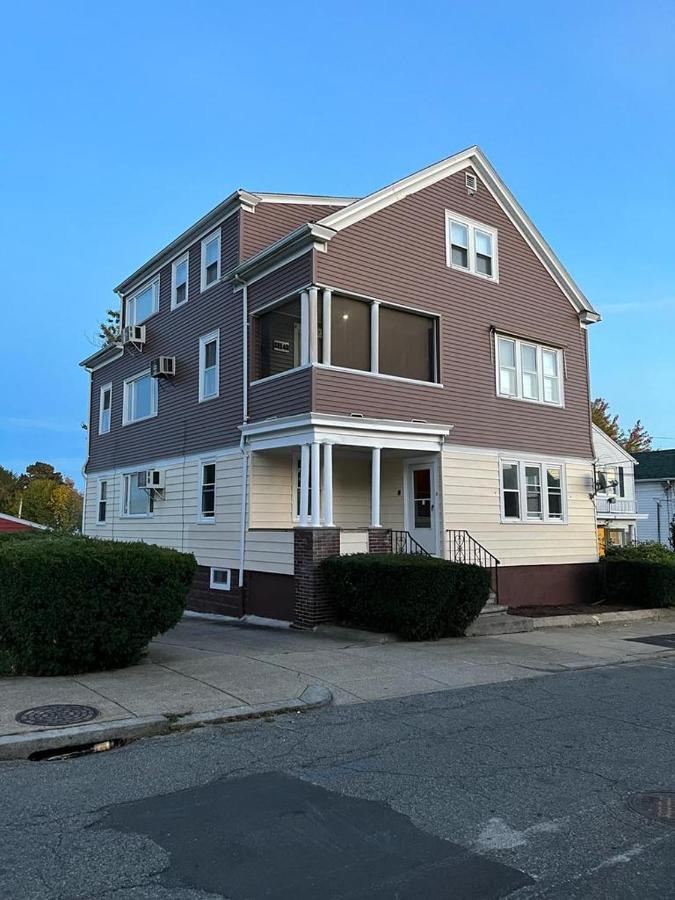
x=471, y=247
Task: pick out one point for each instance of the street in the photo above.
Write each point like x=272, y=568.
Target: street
x=522, y=789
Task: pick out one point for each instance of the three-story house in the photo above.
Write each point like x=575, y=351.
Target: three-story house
x=304, y=376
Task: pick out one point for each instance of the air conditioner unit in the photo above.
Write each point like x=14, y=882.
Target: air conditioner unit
x=151, y=480
x=133, y=334
x=163, y=367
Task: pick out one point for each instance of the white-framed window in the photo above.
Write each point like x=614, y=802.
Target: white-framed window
x=136, y=501
x=179, y=280
x=102, y=502
x=471, y=246
x=528, y=371
x=209, y=365
x=297, y=478
x=105, y=409
x=210, y=260
x=140, y=398
x=220, y=579
x=532, y=491
x=207, y=492
x=143, y=303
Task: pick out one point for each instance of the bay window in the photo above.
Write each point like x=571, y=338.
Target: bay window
x=531, y=491
x=528, y=371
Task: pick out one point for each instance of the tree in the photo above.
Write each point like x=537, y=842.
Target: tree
x=603, y=418
x=57, y=504
x=9, y=492
x=637, y=439
x=109, y=331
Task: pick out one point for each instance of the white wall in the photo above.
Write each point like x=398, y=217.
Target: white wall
x=647, y=494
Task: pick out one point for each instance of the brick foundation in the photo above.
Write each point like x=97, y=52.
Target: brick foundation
x=202, y=597
x=379, y=540
x=313, y=604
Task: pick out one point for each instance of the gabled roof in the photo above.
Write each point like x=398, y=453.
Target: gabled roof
x=655, y=465
x=617, y=448
x=16, y=521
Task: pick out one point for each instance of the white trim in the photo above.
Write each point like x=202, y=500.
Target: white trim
x=304, y=199
x=617, y=447
x=201, y=518
x=185, y=258
x=472, y=226
x=203, y=341
x=510, y=453
x=519, y=343
x=103, y=389
x=409, y=465
x=101, y=522
x=8, y=518
x=523, y=518
x=279, y=374
x=154, y=398
x=220, y=586
x=209, y=239
x=154, y=284
x=101, y=365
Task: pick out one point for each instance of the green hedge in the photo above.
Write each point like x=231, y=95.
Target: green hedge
x=650, y=551
x=640, y=582
x=75, y=604
x=418, y=597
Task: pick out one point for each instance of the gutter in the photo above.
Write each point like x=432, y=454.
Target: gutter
x=243, y=441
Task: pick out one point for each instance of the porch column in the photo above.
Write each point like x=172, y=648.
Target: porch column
x=304, y=484
x=327, y=482
x=316, y=484
x=375, y=336
x=327, y=313
x=375, y=488
x=304, y=328
x=313, y=325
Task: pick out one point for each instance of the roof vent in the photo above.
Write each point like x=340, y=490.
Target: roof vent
x=471, y=183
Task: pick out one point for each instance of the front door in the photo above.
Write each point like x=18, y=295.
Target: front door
x=421, y=506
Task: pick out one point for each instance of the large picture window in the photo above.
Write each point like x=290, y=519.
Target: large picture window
x=532, y=491
x=407, y=344
x=527, y=371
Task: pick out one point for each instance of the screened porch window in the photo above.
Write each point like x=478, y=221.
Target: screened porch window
x=407, y=344
x=350, y=333
x=277, y=340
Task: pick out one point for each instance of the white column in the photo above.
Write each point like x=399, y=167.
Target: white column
x=327, y=321
x=304, y=484
x=304, y=328
x=313, y=325
x=316, y=484
x=375, y=336
x=375, y=488
x=328, y=484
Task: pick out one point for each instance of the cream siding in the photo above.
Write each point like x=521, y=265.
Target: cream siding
x=353, y=542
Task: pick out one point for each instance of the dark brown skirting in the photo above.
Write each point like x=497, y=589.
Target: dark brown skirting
x=270, y=595
x=202, y=598
x=548, y=585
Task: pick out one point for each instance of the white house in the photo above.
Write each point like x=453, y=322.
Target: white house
x=615, y=500
x=655, y=491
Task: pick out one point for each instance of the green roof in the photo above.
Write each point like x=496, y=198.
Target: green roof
x=655, y=464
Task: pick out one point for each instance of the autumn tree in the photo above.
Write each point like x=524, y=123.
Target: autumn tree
x=9, y=492
x=637, y=439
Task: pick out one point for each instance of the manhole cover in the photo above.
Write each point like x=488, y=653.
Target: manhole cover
x=655, y=805
x=57, y=714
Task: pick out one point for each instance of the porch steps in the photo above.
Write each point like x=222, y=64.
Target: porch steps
x=494, y=619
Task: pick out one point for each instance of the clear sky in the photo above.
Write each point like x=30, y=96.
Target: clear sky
x=123, y=123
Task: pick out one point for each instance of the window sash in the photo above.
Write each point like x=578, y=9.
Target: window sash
x=136, y=501
x=102, y=508
x=210, y=260
x=530, y=380
x=209, y=366
x=539, y=494
x=133, y=412
x=180, y=275
x=207, y=502
x=471, y=246
x=105, y=409
x=147, y=298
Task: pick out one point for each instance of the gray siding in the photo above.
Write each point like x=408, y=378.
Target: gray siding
x=285, y=396
x=271, y=221
x=293, y=276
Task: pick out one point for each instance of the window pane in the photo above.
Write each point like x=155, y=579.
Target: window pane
x=510, y=477
x=507, y=353
x=407, y=344
x=137, y=498
x=551, y=390
x=106, y=399
x=210, y=354
x=220, y=576
x=533, y=483
x=553, y=477
x=507, y=382
x=483, y=264
x=101, y=511
x=460, y=257
x=212, y=251
x=483, y=243
x=350, y=333
x=209, y=383
x=103, y=490
x=141, y=397
x=181, y=272
x=143, y=305
x=276, y=340
x=528, y=355
x=550, y=361
x=511, y=505
x=459, y=235
x=209, y=474
x=208, y=501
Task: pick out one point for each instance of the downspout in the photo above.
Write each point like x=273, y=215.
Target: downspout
x=242, y=442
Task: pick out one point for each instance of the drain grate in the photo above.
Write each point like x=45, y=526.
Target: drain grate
x=655, y=805
x=57, y=714
x=658, y=640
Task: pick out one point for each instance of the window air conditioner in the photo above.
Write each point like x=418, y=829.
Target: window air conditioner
x=163, y=367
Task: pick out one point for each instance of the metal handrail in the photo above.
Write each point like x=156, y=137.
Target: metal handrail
x=404, y=542
x=463, y=548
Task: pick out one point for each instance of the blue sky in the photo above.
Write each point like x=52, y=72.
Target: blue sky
x=123, y=123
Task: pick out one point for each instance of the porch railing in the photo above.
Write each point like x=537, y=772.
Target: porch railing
x=463, y=548
x=404, y=542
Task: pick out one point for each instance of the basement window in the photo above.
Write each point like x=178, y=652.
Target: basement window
x=220, y=579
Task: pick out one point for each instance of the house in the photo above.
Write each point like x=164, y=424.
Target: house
x=655, y=487
x=614, y=492
x=12, y=523
x=302, y=376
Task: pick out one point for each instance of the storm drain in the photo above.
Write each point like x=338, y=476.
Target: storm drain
x=56, y=714
x=56, y=753
x=658, y=805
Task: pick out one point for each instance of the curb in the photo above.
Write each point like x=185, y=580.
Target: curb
x=356, y=635
x=505, y=623
x=21, y=746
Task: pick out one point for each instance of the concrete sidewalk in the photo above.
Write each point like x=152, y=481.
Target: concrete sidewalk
x=204, y=666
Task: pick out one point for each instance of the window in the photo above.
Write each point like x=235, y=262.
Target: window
x=209, y=367
x=350, y=333
x=471, y=246
x=179, y=281
x=210, y=260
x=207, y=502
x=297, y=463
x=102, y=509
x=105, y=409
x=142, y=304
x=527, y=371
x=220, y=579
x=140, y=398
x=532, y=492
x=276, y=340
x=136, y=501
x=407, y=344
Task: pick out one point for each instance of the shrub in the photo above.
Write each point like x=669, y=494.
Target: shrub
x=650, y=551
x=640, y=582
x=74, y=604
x=417, y=597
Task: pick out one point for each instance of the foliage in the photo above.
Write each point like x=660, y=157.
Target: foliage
x=672, y=534
x=40, y=470
x=75, y=604
x=640, y=582
x=637, y=439
x=9, y=492
x=44, y=496
x=109, y=331
x=650, y=551
x=418, y=597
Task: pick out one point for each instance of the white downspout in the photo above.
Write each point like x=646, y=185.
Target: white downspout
x=242, y=443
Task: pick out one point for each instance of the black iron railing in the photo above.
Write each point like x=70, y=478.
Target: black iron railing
x=404, y=542
x=463, y=548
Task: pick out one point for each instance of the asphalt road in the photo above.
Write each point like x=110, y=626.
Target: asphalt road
x=520, y=790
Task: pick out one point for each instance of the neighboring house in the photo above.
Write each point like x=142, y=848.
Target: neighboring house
x=350, y=375
x=12, y=523
x=655, y=487
x=615, y=492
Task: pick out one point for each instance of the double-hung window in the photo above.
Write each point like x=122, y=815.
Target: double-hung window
x=143, y=304
x=209, y=365
x=471, y=246
x=105, y=409
x=527, y=371
x=140, y=398
x=179, y=280
x=136, y=501
x=532, y=491
x=102, y=507
x=210, y=260
x=207, y=492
